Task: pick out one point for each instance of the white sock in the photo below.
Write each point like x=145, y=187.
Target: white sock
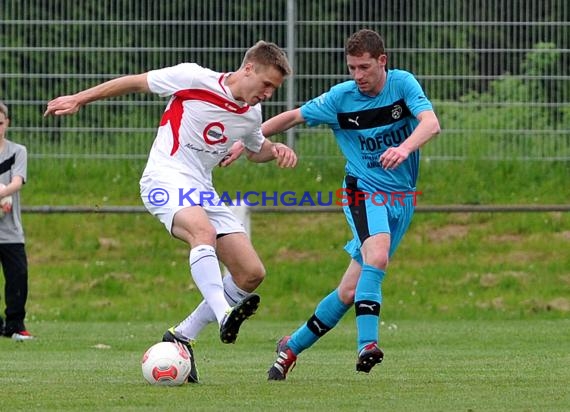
x=206, y=273
x=232, y=292
x=192, y=326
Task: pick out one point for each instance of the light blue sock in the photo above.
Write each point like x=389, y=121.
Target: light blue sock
x=327, y=314
x=367, y=301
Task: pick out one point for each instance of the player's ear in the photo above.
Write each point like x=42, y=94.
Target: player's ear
x=383, y=60
x=249, y=68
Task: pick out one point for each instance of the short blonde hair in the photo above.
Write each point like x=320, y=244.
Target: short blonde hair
x=4, y=109
x=268, y=54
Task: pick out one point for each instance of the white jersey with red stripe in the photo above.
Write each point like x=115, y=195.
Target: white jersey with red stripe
x=201, y=121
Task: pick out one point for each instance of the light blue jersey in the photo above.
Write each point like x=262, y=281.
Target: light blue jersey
x=366, y=126
x=377, y=200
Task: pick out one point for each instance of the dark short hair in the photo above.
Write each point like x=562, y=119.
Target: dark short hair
x=365, y=41
x=268, y=54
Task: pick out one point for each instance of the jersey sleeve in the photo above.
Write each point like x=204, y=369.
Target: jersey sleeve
x=321, y=110
x=414, y=95
x=169, y=80
x=255, y=140
x=21, y=163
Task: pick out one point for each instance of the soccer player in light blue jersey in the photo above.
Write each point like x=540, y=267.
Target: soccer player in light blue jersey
x=380, y=119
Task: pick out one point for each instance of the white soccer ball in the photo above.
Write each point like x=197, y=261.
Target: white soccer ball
x=166, y=363
x=5, y=203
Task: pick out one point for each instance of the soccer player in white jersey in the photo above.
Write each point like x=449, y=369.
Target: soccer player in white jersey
x=380, y=120
x=209, y=115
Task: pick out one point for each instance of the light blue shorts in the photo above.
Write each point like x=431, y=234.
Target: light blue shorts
x=373, y=214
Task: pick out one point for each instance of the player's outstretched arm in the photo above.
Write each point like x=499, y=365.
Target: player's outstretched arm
x=282, y=122
x=66, y=105
x=282, y=154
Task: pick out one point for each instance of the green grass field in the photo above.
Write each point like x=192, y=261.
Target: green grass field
x=475, y=305
x=472, y=266
x=452, y=365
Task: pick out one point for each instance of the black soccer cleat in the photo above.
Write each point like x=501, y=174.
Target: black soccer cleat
x=234, y=318
x=285, y=361
x=369, y=356
x=172, y=336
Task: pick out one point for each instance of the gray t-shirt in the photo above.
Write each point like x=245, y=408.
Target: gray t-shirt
x=13, y=162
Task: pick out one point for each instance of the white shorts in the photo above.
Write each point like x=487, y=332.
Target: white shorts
x=165, y=193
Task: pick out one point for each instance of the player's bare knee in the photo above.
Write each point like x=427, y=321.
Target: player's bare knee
x=378, y=260
x=255, y=277
x=249, y=279
x=201, y=238
x=195, y=237
x=346, y=294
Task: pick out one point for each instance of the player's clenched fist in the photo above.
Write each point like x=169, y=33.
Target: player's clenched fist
x=284, y=155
